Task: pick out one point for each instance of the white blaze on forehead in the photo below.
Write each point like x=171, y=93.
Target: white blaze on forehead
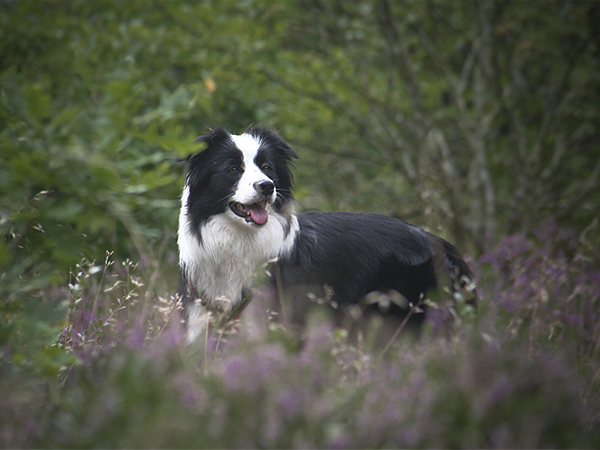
x=248, y=145
x=246, y=193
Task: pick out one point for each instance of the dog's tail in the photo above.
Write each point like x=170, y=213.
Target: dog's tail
x=451, y=270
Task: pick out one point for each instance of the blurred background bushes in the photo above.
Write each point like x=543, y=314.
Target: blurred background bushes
x=477, y=119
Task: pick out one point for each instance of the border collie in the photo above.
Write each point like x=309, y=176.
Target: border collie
x=237, y=213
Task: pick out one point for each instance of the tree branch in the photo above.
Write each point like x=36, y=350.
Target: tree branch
x=399, y=56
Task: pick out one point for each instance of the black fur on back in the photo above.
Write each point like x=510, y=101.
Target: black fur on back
x=358, y=253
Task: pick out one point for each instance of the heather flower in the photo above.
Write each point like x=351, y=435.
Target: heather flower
x=521, y=374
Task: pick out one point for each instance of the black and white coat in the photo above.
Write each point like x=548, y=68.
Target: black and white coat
x=237, y=213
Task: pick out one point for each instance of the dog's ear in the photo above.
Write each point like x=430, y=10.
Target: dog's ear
x=289, y=153
x=189, y=157
x=274, y=139
x=207, y=139
x=185, y=159
x=215, y=134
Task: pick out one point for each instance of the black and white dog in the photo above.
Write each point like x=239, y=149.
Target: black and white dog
x=237, y=212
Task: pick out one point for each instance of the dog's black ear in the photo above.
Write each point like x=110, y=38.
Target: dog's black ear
x=206, y=138
x=287, y=149
x=274, y=139
x=214, y=134
x=186, y=159
x=189, y=157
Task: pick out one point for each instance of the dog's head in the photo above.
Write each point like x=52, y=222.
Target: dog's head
x=243, y=176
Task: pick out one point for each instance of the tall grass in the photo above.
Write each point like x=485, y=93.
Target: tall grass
x=524, y=373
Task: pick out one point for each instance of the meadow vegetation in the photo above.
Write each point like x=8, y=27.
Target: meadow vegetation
x=523, y=372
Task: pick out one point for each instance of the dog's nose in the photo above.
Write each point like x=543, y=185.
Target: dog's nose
x=265, y=188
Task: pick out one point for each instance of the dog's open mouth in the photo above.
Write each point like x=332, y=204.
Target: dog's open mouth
x=255, y=213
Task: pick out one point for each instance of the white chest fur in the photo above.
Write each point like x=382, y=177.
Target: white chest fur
x=230, y=251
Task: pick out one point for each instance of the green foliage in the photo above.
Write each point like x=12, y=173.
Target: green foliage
x=99, y=99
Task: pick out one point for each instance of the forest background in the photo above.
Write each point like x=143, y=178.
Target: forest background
x=478, y=120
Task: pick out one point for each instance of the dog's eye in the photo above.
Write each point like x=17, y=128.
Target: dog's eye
x=235, y=169
x=266, y=168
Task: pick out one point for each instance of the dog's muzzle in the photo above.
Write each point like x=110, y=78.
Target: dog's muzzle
x=256, y=212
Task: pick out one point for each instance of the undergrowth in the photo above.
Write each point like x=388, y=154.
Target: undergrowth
x=523, y=373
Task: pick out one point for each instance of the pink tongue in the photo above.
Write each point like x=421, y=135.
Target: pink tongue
x=258, y=214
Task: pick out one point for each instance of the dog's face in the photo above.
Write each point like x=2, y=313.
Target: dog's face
x=244, y=177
